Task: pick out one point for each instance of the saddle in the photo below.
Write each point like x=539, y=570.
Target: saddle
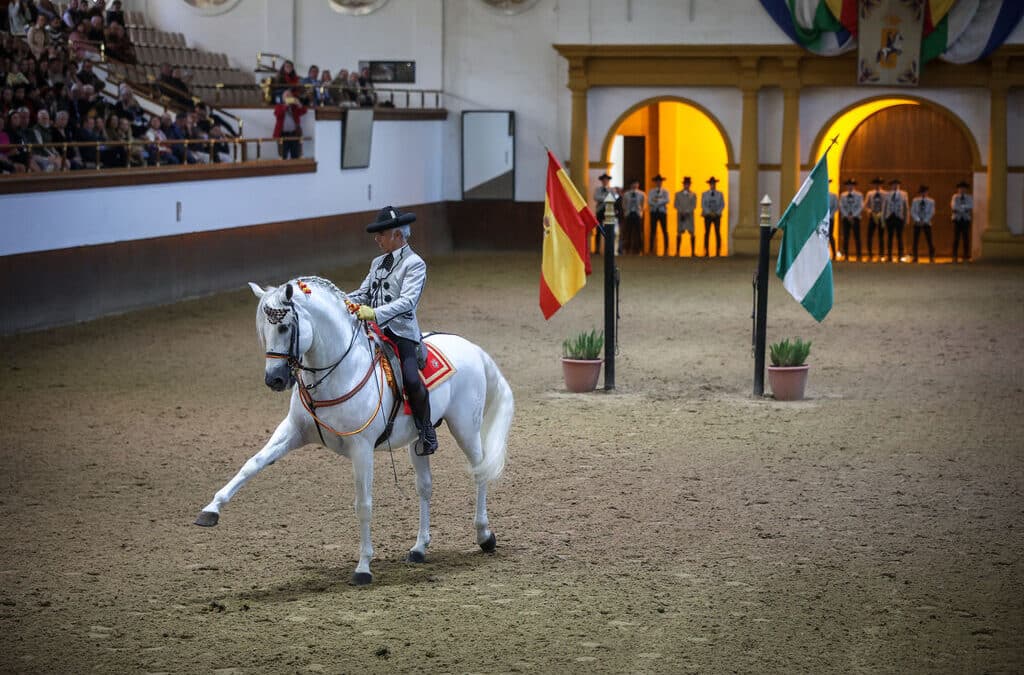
x=434, y=366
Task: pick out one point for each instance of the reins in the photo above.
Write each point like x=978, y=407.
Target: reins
x=308, y=402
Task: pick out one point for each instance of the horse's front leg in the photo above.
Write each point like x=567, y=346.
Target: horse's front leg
x=362, y=470
x=285, y=439
x=424, y=488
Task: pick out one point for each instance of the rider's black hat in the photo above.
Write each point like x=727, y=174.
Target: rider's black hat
x=389, y=217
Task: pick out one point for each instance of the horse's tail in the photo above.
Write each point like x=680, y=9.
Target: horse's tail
x=498, y=410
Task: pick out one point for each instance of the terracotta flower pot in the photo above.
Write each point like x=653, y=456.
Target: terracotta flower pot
x=788, y=382
x=581, y=375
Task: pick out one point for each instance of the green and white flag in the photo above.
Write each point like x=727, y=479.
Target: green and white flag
x=804, y=264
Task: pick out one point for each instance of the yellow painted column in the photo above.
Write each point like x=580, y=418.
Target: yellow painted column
x=997, y=241
x=579, y=162
x=747, y=236
x=789, y=177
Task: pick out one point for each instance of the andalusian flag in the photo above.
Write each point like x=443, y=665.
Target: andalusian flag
x=804, y=265
x=567, y=226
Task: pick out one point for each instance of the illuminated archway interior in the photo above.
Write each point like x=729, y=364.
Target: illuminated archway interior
x=681, y=140
x=844, y=127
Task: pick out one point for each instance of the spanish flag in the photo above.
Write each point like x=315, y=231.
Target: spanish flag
x=567, y=226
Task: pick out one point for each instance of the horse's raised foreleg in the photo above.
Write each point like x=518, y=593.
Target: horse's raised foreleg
x=424, y=488
x=362, y=470
x=285, y=439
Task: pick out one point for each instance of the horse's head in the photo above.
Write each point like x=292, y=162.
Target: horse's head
x=285, y=331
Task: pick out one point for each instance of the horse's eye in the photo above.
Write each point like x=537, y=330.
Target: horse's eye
x=282, y=329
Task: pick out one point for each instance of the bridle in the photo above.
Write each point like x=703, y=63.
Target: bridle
x=295, y=366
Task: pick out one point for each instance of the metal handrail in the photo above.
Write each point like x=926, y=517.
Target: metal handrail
x=336, y=90
x=238, y=145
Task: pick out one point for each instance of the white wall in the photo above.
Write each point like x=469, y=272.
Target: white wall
x=402, y=171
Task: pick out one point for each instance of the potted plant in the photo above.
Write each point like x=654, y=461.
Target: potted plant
x=788, y=373
x=581, y=360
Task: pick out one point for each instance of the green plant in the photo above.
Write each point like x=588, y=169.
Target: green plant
x=788, y=354
x=586, y=345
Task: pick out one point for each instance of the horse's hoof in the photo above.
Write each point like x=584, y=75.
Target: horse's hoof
x=207, y=519
x=415, y=557
x=489, y=545
x=362, y=579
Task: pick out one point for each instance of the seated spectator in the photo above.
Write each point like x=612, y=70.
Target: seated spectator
x=55, y=30
x=55, y=73
x=115, y=14
x=86, y=133
x=48, y=158
x=73, y=15
x=171, y=85
x=7, y=101
x=15, y=77
x=48, y=9
x=309, y=82
x=286, y=81
x=323, y=91
x=94, y=32
x=16, y=130
x=37, y=38
x=203, y=121
x=117, y=44
x=78, y=39
x=19, y=17
x=99, y=8
x=128, y=108
x=87, y=76
x=61, y=134
x=6, y=165
x=367, y=96
x=124, y=134
x=112, y=154
x=288, y=126
x=159, y=151
x=174, y=129
x=219, y=149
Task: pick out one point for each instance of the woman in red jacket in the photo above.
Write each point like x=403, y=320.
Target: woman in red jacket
x=289, y=126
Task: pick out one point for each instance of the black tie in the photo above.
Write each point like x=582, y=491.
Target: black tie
x=388, y=261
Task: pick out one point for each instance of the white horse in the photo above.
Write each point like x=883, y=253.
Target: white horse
x=311, y=339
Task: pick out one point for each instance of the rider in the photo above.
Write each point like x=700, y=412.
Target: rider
x=389, y=296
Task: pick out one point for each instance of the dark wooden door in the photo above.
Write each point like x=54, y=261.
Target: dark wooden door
x=920, y=146
x=634, y=161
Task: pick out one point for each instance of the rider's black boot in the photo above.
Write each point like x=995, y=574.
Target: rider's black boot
x=428, y=437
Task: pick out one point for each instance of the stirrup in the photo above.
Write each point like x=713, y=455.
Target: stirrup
x=426, y=444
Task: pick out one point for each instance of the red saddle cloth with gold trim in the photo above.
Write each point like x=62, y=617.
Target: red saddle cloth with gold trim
x=436, y=370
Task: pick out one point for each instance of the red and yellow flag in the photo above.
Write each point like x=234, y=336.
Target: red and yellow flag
x=567, y=225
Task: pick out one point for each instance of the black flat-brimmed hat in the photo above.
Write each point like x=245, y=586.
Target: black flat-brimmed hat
x=604, y=176
x=712, y=180
x=388, y=218
x=850, y=181
x=963, y=184
x=659, y=177
x=686, y=179
x=923, y=188
x=877, y=180
x=895, y=180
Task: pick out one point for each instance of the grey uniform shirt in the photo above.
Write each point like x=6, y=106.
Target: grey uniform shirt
x=600, y=193
x=395, y=293
x=633, y=202
x=895, y=205
x=658, y=200
x=922, y=210
x=962, y=207
x=874, y=201
x=712, y=203
x=851, y=204
x=833, y=205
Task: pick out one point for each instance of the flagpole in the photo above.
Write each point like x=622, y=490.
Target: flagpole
x=761, y=311
x=608, y=232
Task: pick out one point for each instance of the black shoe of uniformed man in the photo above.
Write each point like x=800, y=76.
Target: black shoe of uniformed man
x=428, y=437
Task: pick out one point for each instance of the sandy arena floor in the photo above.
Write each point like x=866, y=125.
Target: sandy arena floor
x=677, y=525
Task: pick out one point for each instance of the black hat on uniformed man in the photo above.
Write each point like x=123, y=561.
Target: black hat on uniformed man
x=686, y=179
x=895, y=181
x=963, y=184
x=604, y=176
x=921, y=190
x=712, y=180
x=658, y=178
x=850, y=181
x=388, y=218
x=877, y=180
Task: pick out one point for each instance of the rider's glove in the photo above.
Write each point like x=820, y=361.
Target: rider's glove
x=366, y=313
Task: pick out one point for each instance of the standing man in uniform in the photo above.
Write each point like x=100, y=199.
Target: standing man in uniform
x=873, y=203
x=633, y=205
x=922, y=210
x=685, y=203
x=600, y=192
x=712, y=203
x=895, y=212
x=833, y=208
x=851, y=205
x=389, y=296
x=658, y=202
x=962, y=206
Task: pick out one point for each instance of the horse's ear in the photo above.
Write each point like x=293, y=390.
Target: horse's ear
x=288, y=292
x=259, y=292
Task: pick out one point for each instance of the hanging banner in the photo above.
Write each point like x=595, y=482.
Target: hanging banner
x=889, y=33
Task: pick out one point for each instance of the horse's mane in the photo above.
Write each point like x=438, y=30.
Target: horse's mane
x=319, y=282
